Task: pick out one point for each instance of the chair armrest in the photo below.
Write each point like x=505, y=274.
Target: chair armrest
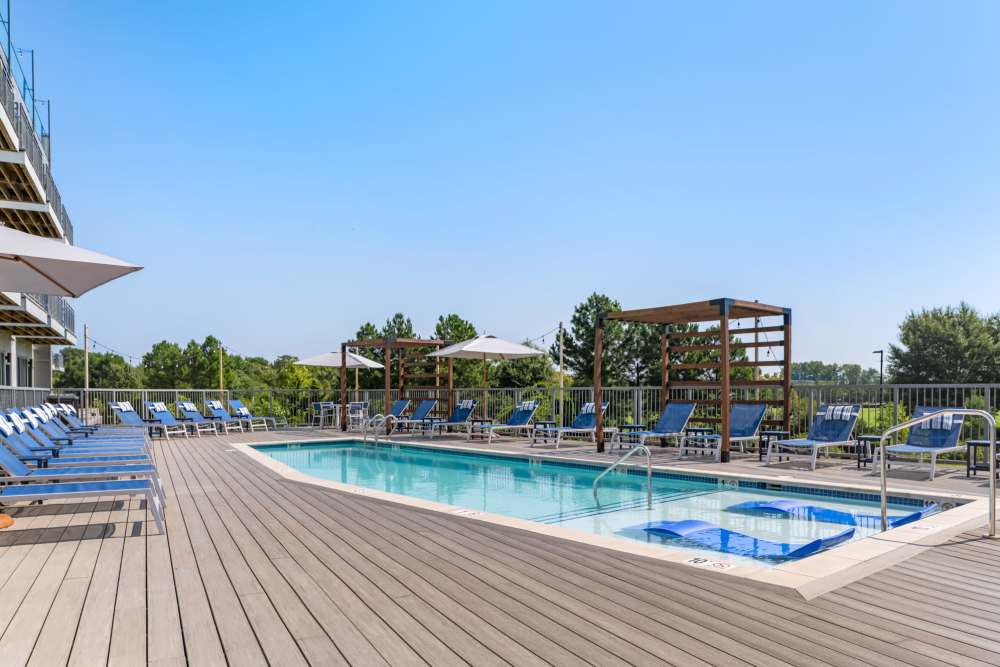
x=633, y=427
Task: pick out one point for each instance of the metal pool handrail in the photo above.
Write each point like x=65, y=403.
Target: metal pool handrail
x=649, y=473
x=990, y=421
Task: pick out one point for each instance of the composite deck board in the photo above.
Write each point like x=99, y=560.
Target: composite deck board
x=258, y=569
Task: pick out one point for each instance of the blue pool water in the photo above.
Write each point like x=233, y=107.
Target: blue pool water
x=561, y=493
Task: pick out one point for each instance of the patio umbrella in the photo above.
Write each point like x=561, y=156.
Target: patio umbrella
x=48, y=266
x=486, y=347
x=332, y=360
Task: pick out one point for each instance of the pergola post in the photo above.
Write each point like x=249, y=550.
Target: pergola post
x=343, y=386
x=724, y=381
x=388, y=376
x=664, y=368
x=451, y=385
x=598, y=412
x=787, y=369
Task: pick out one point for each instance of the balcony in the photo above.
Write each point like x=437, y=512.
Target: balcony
x=29, y=198
x=38, y=318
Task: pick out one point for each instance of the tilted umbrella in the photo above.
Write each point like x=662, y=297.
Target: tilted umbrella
x=486, y=347
x=48, y=266
x=332, y=360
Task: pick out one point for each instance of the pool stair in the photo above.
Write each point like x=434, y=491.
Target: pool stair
x=630, y=504
x=796, y=509
x=710, y=536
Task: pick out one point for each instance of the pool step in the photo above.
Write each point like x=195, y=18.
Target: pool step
x=607, y=508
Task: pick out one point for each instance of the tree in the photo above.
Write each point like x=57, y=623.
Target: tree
x=946, y=345
x=398, y=326
x=578, y=345
x=528, y=372
x=453, y=329
x=161, y=366
x=107, y=370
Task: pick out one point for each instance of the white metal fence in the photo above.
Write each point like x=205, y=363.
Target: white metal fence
x=881, y=406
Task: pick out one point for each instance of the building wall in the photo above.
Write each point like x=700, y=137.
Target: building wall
x=42, y=366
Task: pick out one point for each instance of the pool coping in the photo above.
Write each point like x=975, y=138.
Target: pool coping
x=810, y=576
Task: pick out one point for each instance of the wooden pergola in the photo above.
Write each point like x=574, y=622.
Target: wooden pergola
x=388, y=345
x=716, y=311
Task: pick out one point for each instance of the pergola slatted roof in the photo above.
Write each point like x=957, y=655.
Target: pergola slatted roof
x=697, y=311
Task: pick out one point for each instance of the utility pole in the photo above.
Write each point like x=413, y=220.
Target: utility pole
x=562, y=376
x=222, y=384
x=881, y=360
x=86, y=371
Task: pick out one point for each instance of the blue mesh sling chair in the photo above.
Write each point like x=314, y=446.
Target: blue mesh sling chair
x=934, y=437
x=17, y=472
x=744, y=422
x=33, y=427
x=224, y=420
x=35, y=446
x=419, y=416
x=270, y=421
x=584, y=424
x=832, y=426
x=673, y=420
x=167, y=424
x=27, y=450
x=71, y=424
x=250, y=421
x=459, y=418
x=127, y=415
x=41, y=418
x=194, y=420
x=518, y=422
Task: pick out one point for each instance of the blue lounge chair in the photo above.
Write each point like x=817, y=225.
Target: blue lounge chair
x=421, y=414
x=832, y=426
x=41, y=420
x=934, y=437
x=357, y=415
x=243, y=412
x=248, y=419
x=27, y=423
x=744, y=423
x=194, y=420
x=584, y=424
x=26, y=449
x=673, y=420
x=127, y=415
x=225, y=420
x=70, y=490
x=166, y=423
x=17, y=472
x=519, y=420
x=66, y=413
x=459, y=418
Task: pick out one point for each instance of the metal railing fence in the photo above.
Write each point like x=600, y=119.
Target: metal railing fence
x=882, y=407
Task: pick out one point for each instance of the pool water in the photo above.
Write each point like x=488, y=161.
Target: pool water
x=561, y=493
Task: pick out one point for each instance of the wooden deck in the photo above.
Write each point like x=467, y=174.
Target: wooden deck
x=260, y=570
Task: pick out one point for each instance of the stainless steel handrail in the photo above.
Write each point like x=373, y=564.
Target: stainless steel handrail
x=649, y=473
x=990, y=421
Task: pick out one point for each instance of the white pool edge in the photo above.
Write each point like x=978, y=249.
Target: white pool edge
x=810, y=577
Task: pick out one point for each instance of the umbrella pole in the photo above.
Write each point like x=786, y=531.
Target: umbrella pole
x=357, y=386
x=485, y=393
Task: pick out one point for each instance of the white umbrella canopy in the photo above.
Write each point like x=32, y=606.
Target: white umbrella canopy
x=332, y=360
x=48, y=266
x=487, y=347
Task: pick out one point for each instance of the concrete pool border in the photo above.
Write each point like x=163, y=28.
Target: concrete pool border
x=809, y=577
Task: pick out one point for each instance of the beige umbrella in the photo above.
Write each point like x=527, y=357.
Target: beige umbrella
x=332, y=360
x=486, y=347
x=48, y=266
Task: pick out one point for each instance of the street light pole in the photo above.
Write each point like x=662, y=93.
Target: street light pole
x=881, y=360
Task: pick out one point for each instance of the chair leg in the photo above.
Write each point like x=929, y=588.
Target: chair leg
x=814, y=455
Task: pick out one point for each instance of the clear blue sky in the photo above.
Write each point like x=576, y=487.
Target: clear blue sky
x=286, y=171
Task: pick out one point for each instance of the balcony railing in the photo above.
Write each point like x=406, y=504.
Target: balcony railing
x=57, y=307
x=32, y=135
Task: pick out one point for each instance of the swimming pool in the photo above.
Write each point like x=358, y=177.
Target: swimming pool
x=721, y=519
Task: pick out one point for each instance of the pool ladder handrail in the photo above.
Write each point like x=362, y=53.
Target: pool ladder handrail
x=991, y=423
x=378, y=421
x=649, y=473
